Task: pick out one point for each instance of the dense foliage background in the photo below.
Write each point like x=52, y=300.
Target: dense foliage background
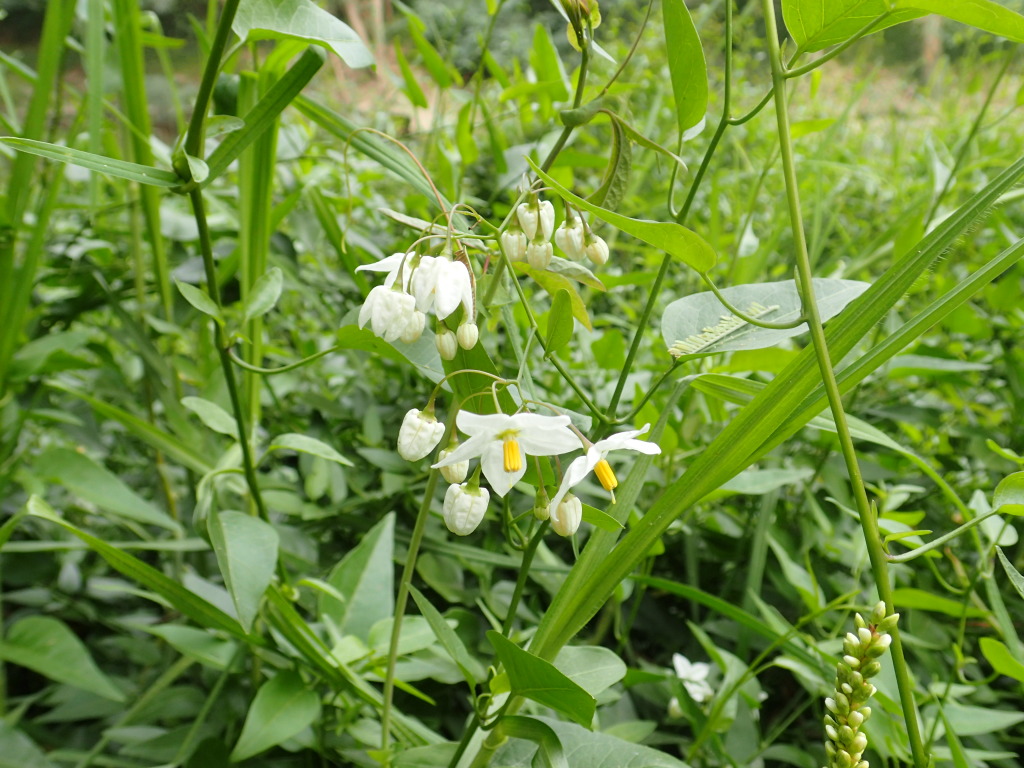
x=174, y=596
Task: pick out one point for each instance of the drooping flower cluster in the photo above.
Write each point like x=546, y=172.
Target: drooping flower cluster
x=528, y=236
x=847, y=707
x=417, y=284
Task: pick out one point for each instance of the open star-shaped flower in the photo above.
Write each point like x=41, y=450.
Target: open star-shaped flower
x=594, y=460
x=501, y=441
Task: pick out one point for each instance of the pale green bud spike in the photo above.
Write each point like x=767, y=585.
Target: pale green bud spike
x=878, y=613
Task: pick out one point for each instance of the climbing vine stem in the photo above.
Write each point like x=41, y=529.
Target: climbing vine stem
x=867, y=513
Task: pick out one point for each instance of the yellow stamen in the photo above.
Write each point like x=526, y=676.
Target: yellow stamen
x=604, y=473
x=513, y=456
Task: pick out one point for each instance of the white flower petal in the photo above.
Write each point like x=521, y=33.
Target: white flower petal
x=387, y=264
x=452, y=285
x=574, y=473
x=482, y=423
x=465, y=451
x=492, y=462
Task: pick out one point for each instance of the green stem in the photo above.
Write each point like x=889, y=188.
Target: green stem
x=195, y=136
x=680, y=216
x=913, y=554
x=962, y=151
x=524, y=573
x=868, y=518
x=223, y=351
x=402, y=600
x=827, y=57
x=745, y=317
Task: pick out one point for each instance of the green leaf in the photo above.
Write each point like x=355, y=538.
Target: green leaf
x=675, y=239
x=539, y=680
x=365, y=577
x=122, y=169
x=471, y=669
x=907, y=597
x=46, y=645
x=195, y=643
x=956, y=749
x=616, y=174
x=592, y=667
x=1009, y=495
x=264, y=114
x=412, y=86
x=292, y=441
x=982, y=14
x=246, y=549
x=686, y=65
x=1012, y=573
x=300, y=20
x=96, y=484
x=283, y=706
x=1002, y=659
x=180, y=598
x=547, y=65
x=432, y=60
x=555, y=284
x=19, y=751
x=265, y=293
x=199, y=299
x=700, y=324
x=430, y=756
x=212, y=415
x=600, y=519
x=560, y=324
x=549, y=749
x=584, y=749
x=815, y=25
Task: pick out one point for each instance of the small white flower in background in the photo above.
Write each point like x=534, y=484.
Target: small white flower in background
x=537, y=219
x=597, y=250
x=547, y=219
x=569, y=237
x=392, y=315
x=464, y=508
x=501, y=441
x=694, y=677
x=539, y=253
x=441, y=284
x=569, y=517
x=514, y=243
x=391, y=264
x=419, y=435
x=468, y=334
x=447, y=344
x=453, y=473
x=529, y=216
x=594, y=460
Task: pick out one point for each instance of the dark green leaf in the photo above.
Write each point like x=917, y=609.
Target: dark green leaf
x=142, y=174
x=283, y=706
x=560, y=323
x=686, y=65
x=246, y=549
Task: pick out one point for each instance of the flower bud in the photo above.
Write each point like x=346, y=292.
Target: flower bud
x=414, y=326
x=529, y=217
x=539, y=253
x=859, y=744
x=569, y=237
x=865, y=712
x=865, y=636
x=674, y=710
x=565, y=520
x=468, y=334
x=419, y=435
x=464, y=508
x=842, y=759
x=546, y=219
x=447, y=344
x=388, y=311
x=888, y=624
x=453, y=473
x=878, y=613
x=514, y=242
x=597, y=251
x=871, y=669
x=855, y=719
x=851, y=661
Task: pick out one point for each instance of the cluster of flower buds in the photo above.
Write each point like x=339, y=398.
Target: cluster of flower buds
x=845, y=742
x=415, y=285
x=528, y=235
x=576, y=240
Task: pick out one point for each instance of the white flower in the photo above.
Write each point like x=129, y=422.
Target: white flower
x=597, y=251
x=391, y=313
x=453, y=473
x=390, y=264
x=539, y=253
x=694, y=677
x=529, y=216
x=447, y=344
x=415, y=324
x=569, y=237
x=419, y=435
x=464, y=508
x=501, y=440
x=594, y=461
x=569, y=517
x=514, y=242
x=441, y=284
x=468, y=335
